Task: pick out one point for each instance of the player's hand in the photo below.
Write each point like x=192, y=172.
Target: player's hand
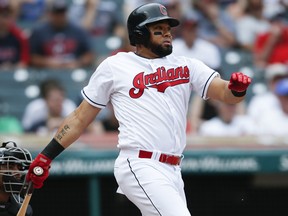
x=239, y=82
x=39, y=170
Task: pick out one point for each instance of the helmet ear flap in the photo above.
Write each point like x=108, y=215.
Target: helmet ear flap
x=141, y=35
x=138, y=32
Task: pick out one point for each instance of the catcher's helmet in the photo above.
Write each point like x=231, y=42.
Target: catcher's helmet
x=14, y=163
x=143, y=15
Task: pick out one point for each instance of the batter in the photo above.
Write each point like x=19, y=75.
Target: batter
x=149, y=91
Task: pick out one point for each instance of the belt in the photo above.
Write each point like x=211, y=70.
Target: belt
x=164, y=158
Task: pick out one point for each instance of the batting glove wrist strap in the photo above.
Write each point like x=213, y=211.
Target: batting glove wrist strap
x=238, y=94
x=53, y=149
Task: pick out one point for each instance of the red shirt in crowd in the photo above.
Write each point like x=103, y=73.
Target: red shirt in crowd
x=279, y=53
x=14, y=47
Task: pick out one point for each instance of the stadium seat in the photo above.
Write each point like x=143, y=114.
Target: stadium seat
x=18, y=88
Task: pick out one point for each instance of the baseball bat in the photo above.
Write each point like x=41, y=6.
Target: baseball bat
x=25, y=203
x=22, y=211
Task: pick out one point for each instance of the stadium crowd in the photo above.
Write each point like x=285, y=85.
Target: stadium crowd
x=228, y=35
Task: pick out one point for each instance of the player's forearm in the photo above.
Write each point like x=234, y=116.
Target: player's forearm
x=70, y=130
x=219, y=90
x=230, y=98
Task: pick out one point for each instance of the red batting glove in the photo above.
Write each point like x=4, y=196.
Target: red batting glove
x=38, y=177
x=239, y=82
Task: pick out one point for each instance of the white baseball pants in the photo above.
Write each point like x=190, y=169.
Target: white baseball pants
x=156, y=188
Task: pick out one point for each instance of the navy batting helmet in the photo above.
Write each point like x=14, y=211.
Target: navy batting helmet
x=143, y=15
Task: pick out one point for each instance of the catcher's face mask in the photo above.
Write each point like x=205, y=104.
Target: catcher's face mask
x=14, y=164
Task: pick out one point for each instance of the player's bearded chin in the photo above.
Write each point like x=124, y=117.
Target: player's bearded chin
x=159, y=50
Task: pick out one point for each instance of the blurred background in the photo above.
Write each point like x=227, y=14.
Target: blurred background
x=236, y=160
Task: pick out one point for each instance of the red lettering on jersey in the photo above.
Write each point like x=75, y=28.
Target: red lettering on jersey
x=138, y=83
x=161, y=80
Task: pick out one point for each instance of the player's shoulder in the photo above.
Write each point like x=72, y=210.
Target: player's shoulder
x=176, y=57
x=120, y=57
x=181, y=58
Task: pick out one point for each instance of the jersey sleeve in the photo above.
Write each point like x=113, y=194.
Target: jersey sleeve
x=100, y=86
x=201, y=77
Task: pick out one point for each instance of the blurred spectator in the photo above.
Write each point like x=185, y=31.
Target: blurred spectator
x=274, y=7
x=275, y=122
x=13, y=5
x=14, y=45
x=182, y=5
x=125, y=45
x=215, y=25
x=263, y=104
x=227, y=123
x=235, y=9
x=130, y=5
x=44, y=114
x=31, y=10
x=272, y=46
x=9, y=124
x=250, y=24
x=226, y=3
x=190, y=45
x=59, y=44
x=100, y=18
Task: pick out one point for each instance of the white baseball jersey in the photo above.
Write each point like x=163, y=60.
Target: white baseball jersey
x=150, y=97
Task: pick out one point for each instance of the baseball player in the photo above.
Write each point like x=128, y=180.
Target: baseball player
x=149, y=90
x=14, y=163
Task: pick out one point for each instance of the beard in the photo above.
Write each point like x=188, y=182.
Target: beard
x=160, y=51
